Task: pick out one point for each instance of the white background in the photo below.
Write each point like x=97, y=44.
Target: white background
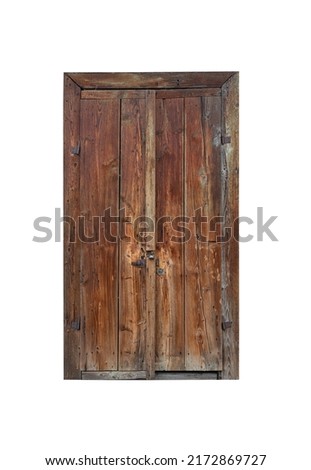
x=268, y=409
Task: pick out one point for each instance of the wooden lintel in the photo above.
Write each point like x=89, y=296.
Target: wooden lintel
x=150, y=80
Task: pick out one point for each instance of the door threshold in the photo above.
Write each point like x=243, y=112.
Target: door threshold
x=114, y=375
x=142, y=375
x=195, y=375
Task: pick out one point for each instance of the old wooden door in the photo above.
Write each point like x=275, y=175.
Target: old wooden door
x=146, y=187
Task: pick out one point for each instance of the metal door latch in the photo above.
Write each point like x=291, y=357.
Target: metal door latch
x=150, y=254
x=140, y=263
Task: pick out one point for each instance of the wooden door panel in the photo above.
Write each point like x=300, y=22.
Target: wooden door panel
x=188, y=165
x=99, y=176
x=132, y=317
x=170, y=340
x=203, y=350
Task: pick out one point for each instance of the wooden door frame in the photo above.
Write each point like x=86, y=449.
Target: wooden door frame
x=227, y=85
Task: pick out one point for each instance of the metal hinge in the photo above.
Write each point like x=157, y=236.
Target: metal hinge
x=226, y=324
x=75, y=325
x=225, y=139
x=76, y=150
x=140, y=263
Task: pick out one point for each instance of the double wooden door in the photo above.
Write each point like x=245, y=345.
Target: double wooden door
x=148, y=189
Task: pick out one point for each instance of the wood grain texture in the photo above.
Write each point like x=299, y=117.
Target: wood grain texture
x=203, y=260
x=170, y=93
x=170, y=353
x=230, y=209
x=150, y=80
x=112, y=94
x=132, y=315
x=71, y=248
x=99, y=257
x=183, y=93
x=150, y=243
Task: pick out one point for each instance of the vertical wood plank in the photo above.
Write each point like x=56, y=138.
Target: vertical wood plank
x=99, y=255
x=169, y=203
x=202, y=259
x=132, y=316
x=71, y=245
x=230, y=210
x=150, y=243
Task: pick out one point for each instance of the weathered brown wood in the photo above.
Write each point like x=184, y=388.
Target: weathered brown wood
x=170, y=353
x=181, y=129
x=183, y=93
x=230, y=208
x=203, y=259
x=71, y=245
x=110, y=94
x=142, y=375
x=150, y=241
x=186, y=376
x=115, y=375
x=132, y=315
x=99, y=256
x=151, y=80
